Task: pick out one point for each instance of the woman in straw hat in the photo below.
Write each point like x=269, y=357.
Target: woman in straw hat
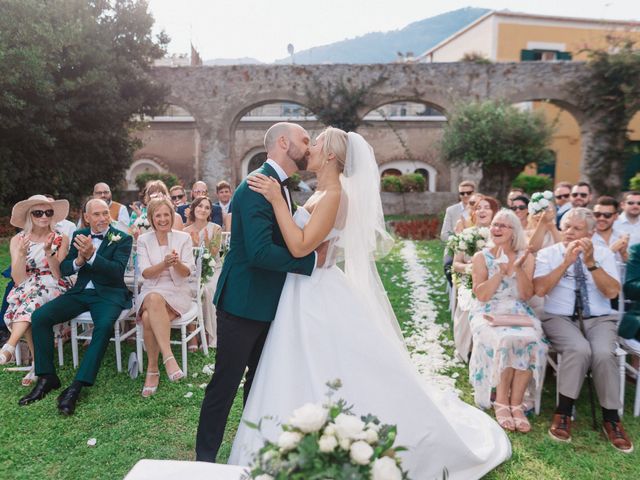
x=36, y=253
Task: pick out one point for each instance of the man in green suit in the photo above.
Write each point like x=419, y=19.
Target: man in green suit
x=99, y=256
x=250, y=284
x=630, y=325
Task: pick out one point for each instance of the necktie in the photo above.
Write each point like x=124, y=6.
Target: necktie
x=99, y=236
x=581, y=285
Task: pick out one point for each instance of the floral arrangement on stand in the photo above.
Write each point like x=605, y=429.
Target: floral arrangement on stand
x=328, y=441
x=469, y=241
x=540, y=201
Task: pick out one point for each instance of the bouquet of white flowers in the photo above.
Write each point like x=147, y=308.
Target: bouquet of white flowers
x=329, y=441
x=540, y=201
x=469, y=241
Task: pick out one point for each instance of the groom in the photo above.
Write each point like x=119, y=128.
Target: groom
x=250, y=284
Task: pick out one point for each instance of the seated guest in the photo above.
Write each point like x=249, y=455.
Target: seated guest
x=577, y=280
x=509, y=353
x=36, y=253
x=200, y=189
x=451, y=217
x=562, y=193
x=223, y=192
x=139, y=222
x=465, y=220
x=165, y=258
x=520, y=206
x=178, y=197
x=629, y=220
x=482, y=215
x=580, y=195
x=119, y=212
x=513, y=193
x=207, y=234
x=605, y=211
x=541, y=230
x=630, y=323
x=99, y=256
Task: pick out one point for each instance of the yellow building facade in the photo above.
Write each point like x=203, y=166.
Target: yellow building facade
x=503, y=36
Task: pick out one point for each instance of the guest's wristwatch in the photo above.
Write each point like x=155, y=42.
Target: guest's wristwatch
x=593, y=267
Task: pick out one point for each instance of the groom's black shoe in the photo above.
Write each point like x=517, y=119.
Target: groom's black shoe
x=68, y=399
x=43, y=386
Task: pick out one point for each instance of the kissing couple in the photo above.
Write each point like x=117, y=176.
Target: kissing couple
x=290, y=314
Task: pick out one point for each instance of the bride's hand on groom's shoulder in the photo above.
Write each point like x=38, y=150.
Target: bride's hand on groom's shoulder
x=269, y=187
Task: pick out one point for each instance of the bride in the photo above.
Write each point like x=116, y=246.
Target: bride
x=339, y=324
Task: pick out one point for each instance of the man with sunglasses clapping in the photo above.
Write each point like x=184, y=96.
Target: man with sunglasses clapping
x=605, y=212
x=629, y=220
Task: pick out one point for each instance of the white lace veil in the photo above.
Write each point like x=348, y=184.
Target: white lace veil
x=364, y=236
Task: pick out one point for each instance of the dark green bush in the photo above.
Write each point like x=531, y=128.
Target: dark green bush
x=533, y=183
x=391, y=183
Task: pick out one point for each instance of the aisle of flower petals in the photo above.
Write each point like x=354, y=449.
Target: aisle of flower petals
x=424, y=337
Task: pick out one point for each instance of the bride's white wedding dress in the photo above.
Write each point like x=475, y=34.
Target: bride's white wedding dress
x=323, y=330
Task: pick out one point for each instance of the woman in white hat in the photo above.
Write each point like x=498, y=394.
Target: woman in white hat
x=36, y=253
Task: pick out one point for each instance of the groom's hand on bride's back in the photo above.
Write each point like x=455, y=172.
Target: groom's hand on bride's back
x=321, y=253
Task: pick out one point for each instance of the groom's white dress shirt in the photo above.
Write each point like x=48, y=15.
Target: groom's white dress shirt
x=96, y=243
x=282, y=175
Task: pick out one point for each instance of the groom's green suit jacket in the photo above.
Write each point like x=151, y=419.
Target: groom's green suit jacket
x=107, y=270
x=257, y=263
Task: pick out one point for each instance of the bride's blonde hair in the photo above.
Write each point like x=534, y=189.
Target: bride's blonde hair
x=335, y=141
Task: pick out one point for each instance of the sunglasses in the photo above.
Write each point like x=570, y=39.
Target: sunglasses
x=606, y=215
x=563, y=196
x=632, y=203
x=177, y=197
x=518, y=207
x=469, y=192
x=40, y=213
x=581, y=195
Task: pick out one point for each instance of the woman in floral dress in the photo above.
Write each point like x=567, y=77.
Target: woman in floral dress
x=509, y=350
x=36, y=253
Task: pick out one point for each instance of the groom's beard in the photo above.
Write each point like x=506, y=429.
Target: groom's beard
x=299, y=157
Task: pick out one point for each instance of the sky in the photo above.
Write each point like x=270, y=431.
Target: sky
x=262, y=29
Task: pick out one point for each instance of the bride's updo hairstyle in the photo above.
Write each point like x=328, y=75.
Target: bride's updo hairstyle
x=335, y=141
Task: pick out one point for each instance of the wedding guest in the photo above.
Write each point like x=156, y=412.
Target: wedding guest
x=562, y=194
x=466, y=221
x=99, y=255
x=36, y=253
x=166, y=261
x=580, y=195
x=629, y=220
x=605, y=211
x=119, y=212
x=541, y=229
x=513, y=193
x=481, y=217
x=509, y=352
x=200, y=189
x=223, y=192
x=178, y=197
x=630, y=324
x=139, y=222
x=208, y=235
x=576, y=265
x=451, y=217
x=520, y=206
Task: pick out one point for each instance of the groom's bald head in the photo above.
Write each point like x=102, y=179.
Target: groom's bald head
x=275, y=132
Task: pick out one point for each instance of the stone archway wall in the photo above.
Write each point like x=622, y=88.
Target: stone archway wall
x=218, y=97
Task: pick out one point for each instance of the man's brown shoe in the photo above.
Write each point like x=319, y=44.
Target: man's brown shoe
x=617, y=436
x=560, y=428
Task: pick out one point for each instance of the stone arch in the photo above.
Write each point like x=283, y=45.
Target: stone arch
x=142, y=165
x=430, y=107
x=412, y=166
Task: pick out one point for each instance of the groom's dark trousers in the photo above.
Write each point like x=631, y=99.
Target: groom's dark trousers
x=240, y=343
x=247, y=296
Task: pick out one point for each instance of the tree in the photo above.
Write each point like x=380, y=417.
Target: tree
x=73, y=76
x=498, y=138
x=610, y=96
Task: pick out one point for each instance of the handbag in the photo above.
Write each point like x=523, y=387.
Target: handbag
x=505, y=320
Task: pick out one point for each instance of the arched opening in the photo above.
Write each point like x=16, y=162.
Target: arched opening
x=390, y=172
x=406, y=111
x=278, y=112
x=403, y=167
x=143, y=165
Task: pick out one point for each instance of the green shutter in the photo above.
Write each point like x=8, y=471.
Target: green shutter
x=527, y=55
x=563, y=55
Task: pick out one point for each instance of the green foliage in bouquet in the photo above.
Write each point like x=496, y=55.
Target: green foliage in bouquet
x=468, y=242
x=329, y=441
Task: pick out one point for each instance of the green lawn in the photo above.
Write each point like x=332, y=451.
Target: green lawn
x=38, y=443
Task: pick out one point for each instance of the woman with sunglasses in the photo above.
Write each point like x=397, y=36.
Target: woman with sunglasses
x=36, y=253
x=520, y=206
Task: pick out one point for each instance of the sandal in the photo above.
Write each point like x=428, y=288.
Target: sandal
x=505, y=421
x=148, y=391
x=522, y=424
x=192, y=348
x=174, y=376
x=30, y=377
x=7, y=354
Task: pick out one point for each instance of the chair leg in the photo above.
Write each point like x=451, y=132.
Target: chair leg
x=622, y=360
x=203, y=338
x=636, y=403
x=18, y=354
x=538, y=398
x=74, y=342
x=116, y=334
x=139, y=340
x=183, y=344
x=559, y=364
x=60, y=348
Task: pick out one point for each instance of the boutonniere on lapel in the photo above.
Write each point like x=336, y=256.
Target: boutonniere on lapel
x=113, y=237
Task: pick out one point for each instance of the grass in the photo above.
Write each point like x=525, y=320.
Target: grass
x=38, y=443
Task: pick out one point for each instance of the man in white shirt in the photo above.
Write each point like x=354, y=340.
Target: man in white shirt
x=451, y=217
x=629, y=220
x=581, y=195
x=577, y=281
x=605, y=212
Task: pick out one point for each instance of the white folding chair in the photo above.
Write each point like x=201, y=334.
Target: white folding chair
x=192, y=317
x=57, y=331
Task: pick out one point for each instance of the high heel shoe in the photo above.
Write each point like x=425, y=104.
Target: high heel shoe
x=7, y=353
x=174, y=376
x=148, y=391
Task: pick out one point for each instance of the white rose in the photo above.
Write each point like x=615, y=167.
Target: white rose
x=544, y=203
x=535, y=205
x=385, y=468
x=348, y=426
x=547, y=194
x=531, y=209
x=345, y=443
x=371, y=436
x=327, y=443
x=372, y=426
x=484, y=231
x=289, y=440
x=268, y=455
x=330, y=429
x=212, y=263
x=481, y=243
x=361, y=452
x=309, y=418
x=264, y=476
